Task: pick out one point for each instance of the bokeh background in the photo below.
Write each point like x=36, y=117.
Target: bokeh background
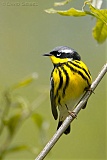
x=26, y=33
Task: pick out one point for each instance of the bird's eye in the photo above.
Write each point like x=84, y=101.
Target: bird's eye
x=58, y=54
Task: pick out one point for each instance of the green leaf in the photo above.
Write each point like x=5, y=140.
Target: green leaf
x=13, y=123
x=42, y=126
x=61, y=3
x=38, y=119
x=25, y=82
x=40, y=122
x=17, y=148
x=70, y=12
x=100, y=31
x=100, y=14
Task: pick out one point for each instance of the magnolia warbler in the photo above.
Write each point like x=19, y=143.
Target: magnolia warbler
x=69, y=79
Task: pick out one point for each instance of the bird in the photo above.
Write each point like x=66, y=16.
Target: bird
x=69, y=80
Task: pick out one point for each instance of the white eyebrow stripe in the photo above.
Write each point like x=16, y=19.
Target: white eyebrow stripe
x=65, y=51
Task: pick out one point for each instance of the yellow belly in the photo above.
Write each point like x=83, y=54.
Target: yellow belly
x=74, y=90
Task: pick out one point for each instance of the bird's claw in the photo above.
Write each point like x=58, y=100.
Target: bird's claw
x=73, y=114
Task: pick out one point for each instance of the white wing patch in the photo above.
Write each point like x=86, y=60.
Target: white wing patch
x=51, y=79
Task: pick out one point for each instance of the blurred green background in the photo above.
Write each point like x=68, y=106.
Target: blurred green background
x=27, y=32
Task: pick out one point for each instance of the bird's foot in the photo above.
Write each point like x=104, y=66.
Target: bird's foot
x=73, y=114
x=90, y=90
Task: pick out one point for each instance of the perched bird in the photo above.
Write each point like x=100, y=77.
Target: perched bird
x=69, y=79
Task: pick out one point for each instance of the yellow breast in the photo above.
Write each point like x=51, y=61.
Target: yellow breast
x=70, y=81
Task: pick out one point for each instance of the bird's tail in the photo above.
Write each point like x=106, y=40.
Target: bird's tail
x=67, y=131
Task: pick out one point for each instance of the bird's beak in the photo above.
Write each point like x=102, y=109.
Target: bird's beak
x=47, y=54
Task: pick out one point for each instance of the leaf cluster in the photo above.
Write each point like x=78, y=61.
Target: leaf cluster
x=14, y=111
x=99, y=31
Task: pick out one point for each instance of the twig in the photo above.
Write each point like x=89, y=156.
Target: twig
x=69, y=119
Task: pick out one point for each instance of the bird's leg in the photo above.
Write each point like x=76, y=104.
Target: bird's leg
x=71, y=113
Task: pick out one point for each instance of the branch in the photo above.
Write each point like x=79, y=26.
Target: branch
x=69, y=119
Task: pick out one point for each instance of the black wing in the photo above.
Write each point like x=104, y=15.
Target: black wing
x=53, y=105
